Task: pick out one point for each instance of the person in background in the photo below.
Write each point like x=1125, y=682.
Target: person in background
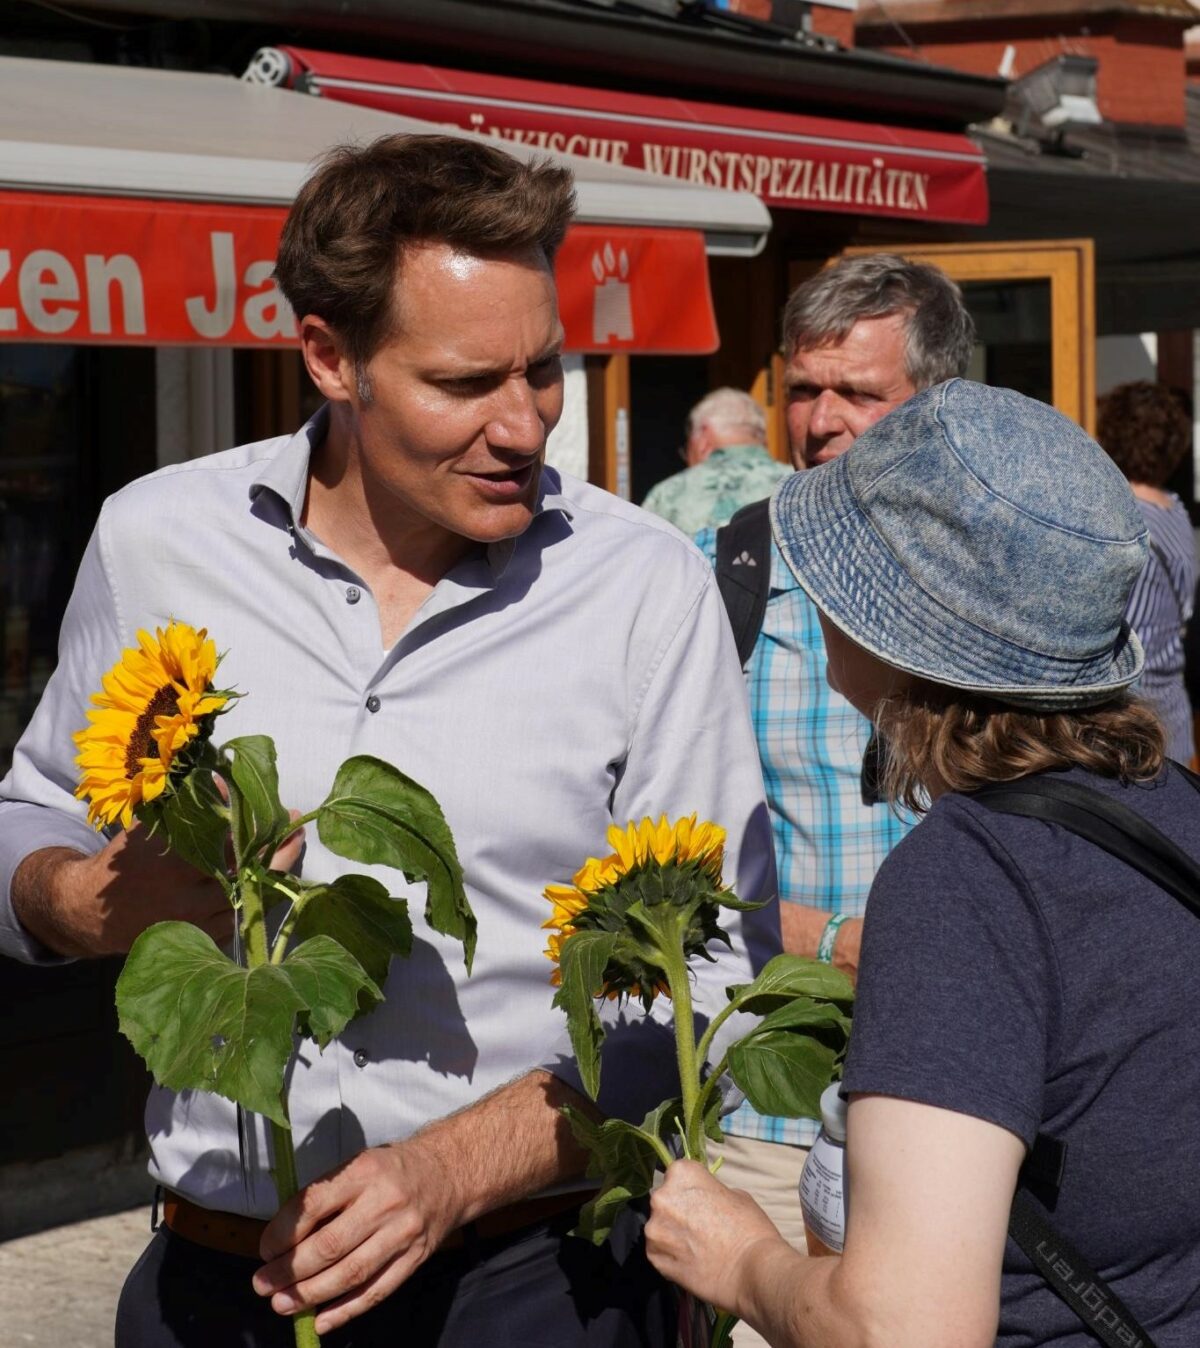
x=1146, y=432
x=727, y=464
x=861, y=337
x=971, y=559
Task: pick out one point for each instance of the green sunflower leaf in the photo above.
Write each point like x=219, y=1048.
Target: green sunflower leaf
x=582, y=960
x=332, y=985
x=196, y=822
x=256, y=811
x=622, y=1156
x=783, y=1072
x=789, y=976
x=375, y=814
x=202, y=1023
x=358, y=913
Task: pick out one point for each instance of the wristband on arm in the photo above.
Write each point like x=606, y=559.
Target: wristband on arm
x=828, y=937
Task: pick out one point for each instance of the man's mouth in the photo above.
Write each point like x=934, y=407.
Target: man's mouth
x=506, y=483
x=825, y=453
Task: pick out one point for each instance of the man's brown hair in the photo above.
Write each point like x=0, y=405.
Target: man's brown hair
x=351, y=222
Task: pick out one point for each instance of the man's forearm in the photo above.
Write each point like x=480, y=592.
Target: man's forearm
x=38, y=901
x=802, y=928
x=505, y=1147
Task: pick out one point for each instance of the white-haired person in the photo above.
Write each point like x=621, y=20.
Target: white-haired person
x=971, y=557
x=728, y=464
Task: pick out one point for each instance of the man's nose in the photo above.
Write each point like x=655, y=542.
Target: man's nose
x=826, y=418
x=516, y=421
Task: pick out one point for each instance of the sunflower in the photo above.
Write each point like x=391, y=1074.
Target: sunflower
x=156, y=701
x=651, y=863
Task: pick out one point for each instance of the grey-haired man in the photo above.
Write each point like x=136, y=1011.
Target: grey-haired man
x=861, y=337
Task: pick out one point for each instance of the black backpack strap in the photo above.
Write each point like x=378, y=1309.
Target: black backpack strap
x=1070, y=1276
x=1118, y=830
x=744, y=572
x=1125, y=834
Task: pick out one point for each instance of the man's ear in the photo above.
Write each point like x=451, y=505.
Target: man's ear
x=329, y=367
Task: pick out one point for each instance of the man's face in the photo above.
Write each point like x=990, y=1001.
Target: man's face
x=464, y=392
x=835, y=392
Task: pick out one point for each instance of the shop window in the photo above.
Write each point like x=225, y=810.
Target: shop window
x=73, y=428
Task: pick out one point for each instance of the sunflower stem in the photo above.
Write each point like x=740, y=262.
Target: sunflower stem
x=272, y=845
x=283, y=1172
x=254, y=922
x=713, y=1026
x=288, y=925
x=676, y=969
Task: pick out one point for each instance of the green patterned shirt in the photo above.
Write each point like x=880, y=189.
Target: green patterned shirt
x=714, y=491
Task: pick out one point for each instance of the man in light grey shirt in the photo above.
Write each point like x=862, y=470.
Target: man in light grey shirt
x=404, y=578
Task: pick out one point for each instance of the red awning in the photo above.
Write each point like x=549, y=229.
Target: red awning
x=810, y=163
x=130, y=270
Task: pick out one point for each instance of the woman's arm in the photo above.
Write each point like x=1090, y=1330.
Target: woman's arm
x=930, y=1193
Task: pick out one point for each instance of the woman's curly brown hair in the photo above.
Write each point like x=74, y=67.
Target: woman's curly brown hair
x=1145, y=429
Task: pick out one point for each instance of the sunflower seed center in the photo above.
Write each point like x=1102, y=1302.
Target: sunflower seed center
x=141, y=743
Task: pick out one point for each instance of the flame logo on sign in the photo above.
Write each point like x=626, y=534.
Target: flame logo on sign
x=612, y=312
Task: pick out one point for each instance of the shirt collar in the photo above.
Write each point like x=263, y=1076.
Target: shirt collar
x=286, y=476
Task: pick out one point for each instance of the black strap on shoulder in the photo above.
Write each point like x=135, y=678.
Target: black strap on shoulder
x=744, y=572
x=1068, y=1273
x=1110, y=825
x=1125, y=834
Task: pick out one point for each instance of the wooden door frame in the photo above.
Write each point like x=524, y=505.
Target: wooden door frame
x=1069, y=265
x=609, y=450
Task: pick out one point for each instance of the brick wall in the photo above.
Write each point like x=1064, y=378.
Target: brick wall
x=1141, y=73
x=830, y=20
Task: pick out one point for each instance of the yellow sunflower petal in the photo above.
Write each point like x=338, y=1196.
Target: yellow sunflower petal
x=148, y=711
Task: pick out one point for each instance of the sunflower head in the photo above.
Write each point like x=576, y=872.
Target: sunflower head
x=156, y=706
x=660, y=886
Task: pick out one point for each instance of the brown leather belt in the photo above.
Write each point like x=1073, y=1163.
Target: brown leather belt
x=233, y=1234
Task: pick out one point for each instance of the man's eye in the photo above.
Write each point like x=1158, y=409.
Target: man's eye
x=470, y=384
x=545, y=369
x=801, y=393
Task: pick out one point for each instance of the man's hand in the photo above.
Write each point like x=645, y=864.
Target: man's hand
x=354, y=1236
x=350, y=1239
x=707, y=1238
x=100, y=904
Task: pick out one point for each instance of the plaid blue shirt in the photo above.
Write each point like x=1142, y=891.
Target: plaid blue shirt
x=828, y=844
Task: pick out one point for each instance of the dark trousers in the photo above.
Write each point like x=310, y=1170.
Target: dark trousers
x=537, y=1288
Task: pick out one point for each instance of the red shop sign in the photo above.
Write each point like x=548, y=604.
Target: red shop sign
x=133, y=271
x=788, y=159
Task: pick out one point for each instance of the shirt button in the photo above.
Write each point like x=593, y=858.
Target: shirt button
x=353, y=594
x=361, y=1057
x=373, y=703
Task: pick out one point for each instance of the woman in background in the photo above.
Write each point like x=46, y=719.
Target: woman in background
x=1146, y=432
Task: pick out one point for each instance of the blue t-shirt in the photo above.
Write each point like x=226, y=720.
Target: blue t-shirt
x=1017, y=973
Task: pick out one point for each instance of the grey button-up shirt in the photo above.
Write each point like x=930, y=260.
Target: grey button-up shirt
x=581, y=674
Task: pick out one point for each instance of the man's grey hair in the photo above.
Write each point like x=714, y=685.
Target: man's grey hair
x=940, y=334
x=729, y=411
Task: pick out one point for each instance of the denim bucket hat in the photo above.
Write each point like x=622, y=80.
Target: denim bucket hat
x=979, y=539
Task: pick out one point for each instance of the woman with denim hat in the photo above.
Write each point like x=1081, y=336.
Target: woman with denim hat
x=971, y=557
